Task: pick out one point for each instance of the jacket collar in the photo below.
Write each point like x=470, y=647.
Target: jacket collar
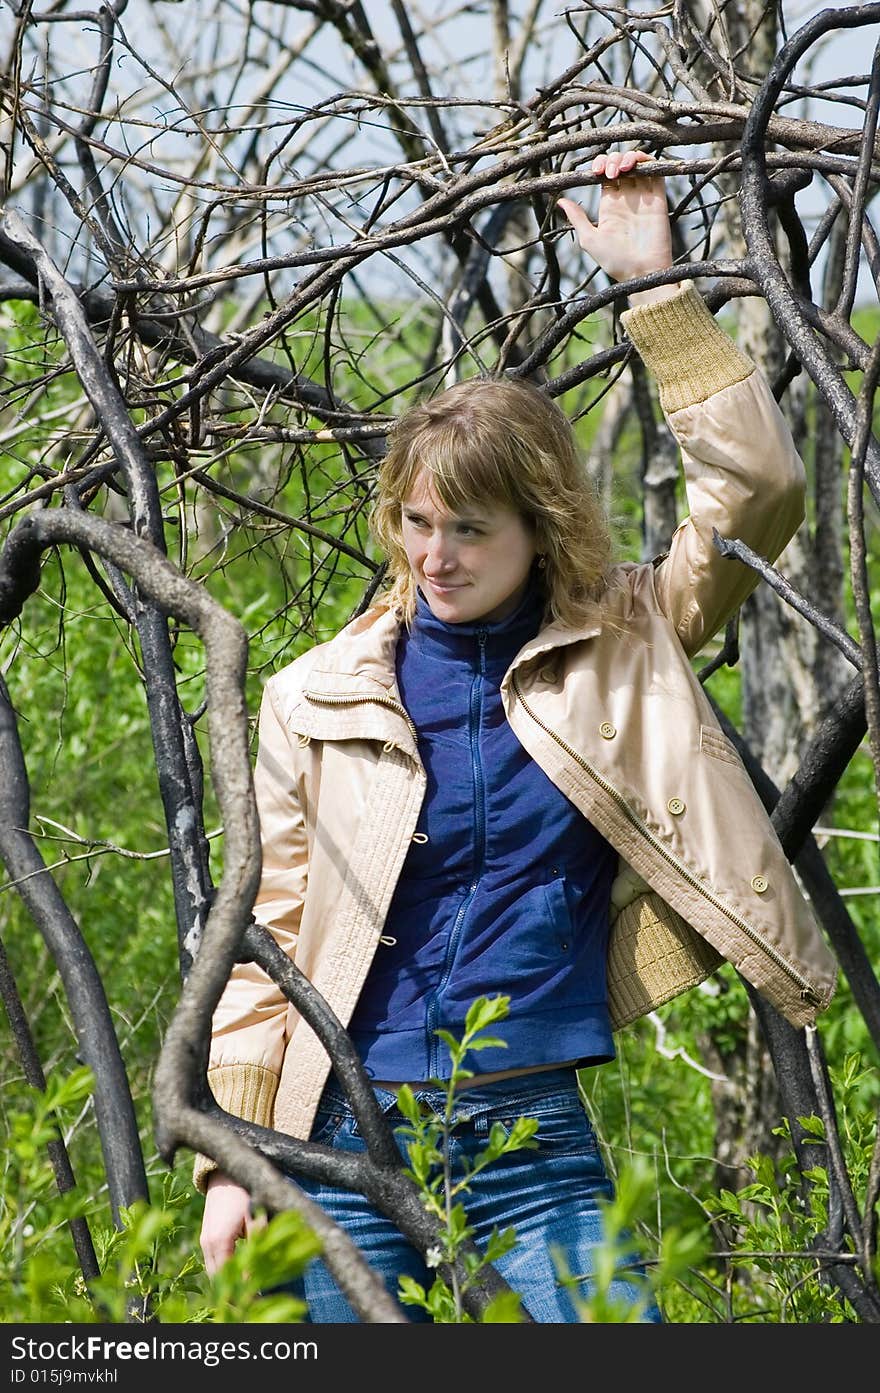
x=351, y=690
x=361, y=658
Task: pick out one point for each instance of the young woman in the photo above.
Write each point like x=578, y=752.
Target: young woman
x=462, y=790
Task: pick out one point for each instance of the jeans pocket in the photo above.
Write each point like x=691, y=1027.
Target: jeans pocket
x=564, y=1129
x=327, y=1126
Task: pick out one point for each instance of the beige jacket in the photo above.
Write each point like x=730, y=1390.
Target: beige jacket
x=612, y=712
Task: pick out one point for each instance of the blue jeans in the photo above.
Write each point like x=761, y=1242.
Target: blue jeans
x=549, y=1196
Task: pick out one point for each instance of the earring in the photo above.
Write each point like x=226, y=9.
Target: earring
x=542, y=561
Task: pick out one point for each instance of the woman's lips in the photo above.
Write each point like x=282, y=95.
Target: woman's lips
x=442, y=587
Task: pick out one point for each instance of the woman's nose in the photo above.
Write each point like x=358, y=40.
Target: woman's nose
x=440, y=555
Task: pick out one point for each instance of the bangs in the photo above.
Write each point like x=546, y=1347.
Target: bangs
x=462, y=471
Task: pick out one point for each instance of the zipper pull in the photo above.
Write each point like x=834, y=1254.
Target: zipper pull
x=482, y=635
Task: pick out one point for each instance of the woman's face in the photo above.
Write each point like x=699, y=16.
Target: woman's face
x=470, y=565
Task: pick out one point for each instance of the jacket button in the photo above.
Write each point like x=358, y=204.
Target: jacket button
x=607, y=730
x=676, y=806
x=760, y=884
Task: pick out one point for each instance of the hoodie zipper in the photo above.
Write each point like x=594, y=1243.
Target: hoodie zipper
x=474, y=719
x=808, y=993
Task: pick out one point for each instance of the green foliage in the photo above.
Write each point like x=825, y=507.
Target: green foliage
x=777, y=1219
x=148, y=1265
x=427, y=1144
x=770, y=1236
x=32, y=1212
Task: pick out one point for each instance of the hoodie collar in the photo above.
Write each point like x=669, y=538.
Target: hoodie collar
x=361, y=657
x=498, y=642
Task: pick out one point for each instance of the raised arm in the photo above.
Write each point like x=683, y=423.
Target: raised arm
x=742, y=473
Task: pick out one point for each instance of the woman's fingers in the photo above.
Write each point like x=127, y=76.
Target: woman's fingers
x=216, y=1251
x=611, y=165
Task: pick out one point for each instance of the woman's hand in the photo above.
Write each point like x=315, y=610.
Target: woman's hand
x=631, y=236
x=226, y=1219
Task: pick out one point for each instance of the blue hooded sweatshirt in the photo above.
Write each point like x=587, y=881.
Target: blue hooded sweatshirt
x=506, y=887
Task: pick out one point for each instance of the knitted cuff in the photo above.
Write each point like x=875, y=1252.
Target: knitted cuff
x=688, y=354
x=245, y=1090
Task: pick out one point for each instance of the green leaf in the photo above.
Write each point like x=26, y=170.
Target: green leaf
x=485, y=1011
x=813, y=1126
x=501, y=1142
x=441, y=1303
x=500, y=1242
x=457, y=1226
x=407, y=1104
x=422, y=1160
x=506, y=1309
x=410, y=1292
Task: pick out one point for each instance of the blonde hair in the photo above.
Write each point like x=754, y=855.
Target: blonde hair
x=505, y=441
